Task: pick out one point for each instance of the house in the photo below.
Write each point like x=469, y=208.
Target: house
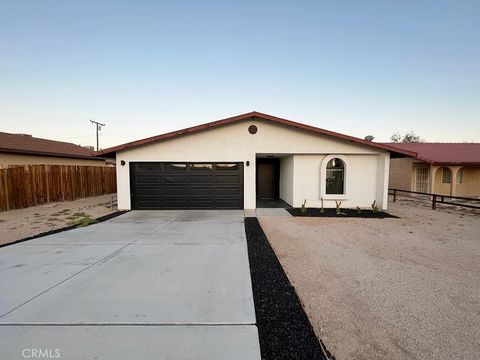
x=23, y=149
x=232, y=163
x=439, y=168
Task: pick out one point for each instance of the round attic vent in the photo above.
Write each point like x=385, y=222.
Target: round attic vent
x=252, y=129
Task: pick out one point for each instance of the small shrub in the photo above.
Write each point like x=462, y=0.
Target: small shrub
x=303, y=209
x=322, y=210
x=80, y=214
x=85, y=221
x=374, y=207
x=338, y=211
x=359, y=211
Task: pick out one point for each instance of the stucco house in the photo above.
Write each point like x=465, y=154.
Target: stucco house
x=439, y=168
x=23, y=149
x=232, y=163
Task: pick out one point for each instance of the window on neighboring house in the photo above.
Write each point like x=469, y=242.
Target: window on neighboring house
x=335, y=177
x=446, y=176
x=460, y=176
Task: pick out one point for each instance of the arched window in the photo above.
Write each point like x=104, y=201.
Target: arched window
x=335, y=177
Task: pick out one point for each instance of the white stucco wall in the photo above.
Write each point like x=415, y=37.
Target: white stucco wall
x=361, y=187
x=286, y=179
x=234, y=143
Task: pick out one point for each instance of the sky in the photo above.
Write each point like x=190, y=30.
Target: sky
x=148, y=67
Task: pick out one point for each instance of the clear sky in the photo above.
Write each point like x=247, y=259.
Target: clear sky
x=147, y=67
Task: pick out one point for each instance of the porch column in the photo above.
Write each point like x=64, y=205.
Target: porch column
x=433, y=173
x=453, y=188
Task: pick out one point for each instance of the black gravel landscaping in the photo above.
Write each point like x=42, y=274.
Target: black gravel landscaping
x=284, y=329
x=315, y=212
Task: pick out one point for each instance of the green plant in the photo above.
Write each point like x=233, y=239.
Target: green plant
x=359, y=211
x=303, y=209
x=337, y=207
x=322, y=210
x=374, y=207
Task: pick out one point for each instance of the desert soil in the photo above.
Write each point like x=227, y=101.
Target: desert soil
x=22, y=223
x=406, y=288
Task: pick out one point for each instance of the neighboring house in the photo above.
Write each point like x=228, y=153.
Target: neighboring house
x=230, y=163
x=439, y=168
x=22, y=149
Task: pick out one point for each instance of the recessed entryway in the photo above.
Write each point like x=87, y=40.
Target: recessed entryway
x=268, y=180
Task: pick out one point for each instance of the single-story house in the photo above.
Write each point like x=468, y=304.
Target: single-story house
x=231, y=163
x=439, y=168
x=23, y=149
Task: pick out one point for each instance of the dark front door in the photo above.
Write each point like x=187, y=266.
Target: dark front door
x=182, y=185
x=267, y=180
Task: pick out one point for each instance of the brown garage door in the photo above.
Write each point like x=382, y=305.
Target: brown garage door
x=182, y=185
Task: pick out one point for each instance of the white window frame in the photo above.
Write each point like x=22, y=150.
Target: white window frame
x=323, y=178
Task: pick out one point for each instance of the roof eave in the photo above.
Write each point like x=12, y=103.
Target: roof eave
x=251, y=115
x=46, y=153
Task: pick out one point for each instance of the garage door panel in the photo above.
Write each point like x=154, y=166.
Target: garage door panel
x=202, y=191
x=175, y=191
x=201, y=179
x=175, y=203
x=227, y=179
x=203, y=185
x=228, y=191
x=201, y=203
x=149, y=167
x=174, y=179
x=229, y=204
x=147, y=192
x=148, y=179
x=150, y=203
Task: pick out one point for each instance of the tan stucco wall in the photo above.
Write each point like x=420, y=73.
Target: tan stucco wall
x=401, y=174
x=440, y=188
x=7, y=160
x=470, y=185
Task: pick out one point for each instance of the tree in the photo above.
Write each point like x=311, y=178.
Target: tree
x=409, y=137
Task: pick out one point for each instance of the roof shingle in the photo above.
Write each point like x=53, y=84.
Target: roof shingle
x=444, y=153
x=27, y=144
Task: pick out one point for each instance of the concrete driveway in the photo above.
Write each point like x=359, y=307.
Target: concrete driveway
x=149, y=284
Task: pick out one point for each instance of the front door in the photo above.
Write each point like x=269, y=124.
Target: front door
x=266, y=181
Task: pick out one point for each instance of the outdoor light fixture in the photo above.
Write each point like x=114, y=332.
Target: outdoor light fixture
x=122, y=162
x=248, y=163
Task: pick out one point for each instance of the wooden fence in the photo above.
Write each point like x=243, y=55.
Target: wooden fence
x=469, y=202
x=32, y=185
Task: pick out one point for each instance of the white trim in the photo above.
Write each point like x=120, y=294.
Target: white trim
x=323, y=178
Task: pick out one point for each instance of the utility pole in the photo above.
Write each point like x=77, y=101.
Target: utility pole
x=99, y=127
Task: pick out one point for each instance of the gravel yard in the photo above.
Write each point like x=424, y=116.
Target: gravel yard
x=406, y=288
x=22, y=223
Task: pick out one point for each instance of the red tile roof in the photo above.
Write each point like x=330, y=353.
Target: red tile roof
x=251, y=116
x=27, y=144
x=444, y=153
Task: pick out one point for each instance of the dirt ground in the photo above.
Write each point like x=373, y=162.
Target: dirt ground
x=23, y=223
x=406, y=288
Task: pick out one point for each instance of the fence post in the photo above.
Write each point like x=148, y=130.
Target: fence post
x=394, y=195
x=434, y=202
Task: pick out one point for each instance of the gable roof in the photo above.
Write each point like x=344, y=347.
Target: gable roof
x=444, y=153
x=252, y=116
x=27, y=144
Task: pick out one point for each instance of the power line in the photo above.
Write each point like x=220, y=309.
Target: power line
x=98, y=128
